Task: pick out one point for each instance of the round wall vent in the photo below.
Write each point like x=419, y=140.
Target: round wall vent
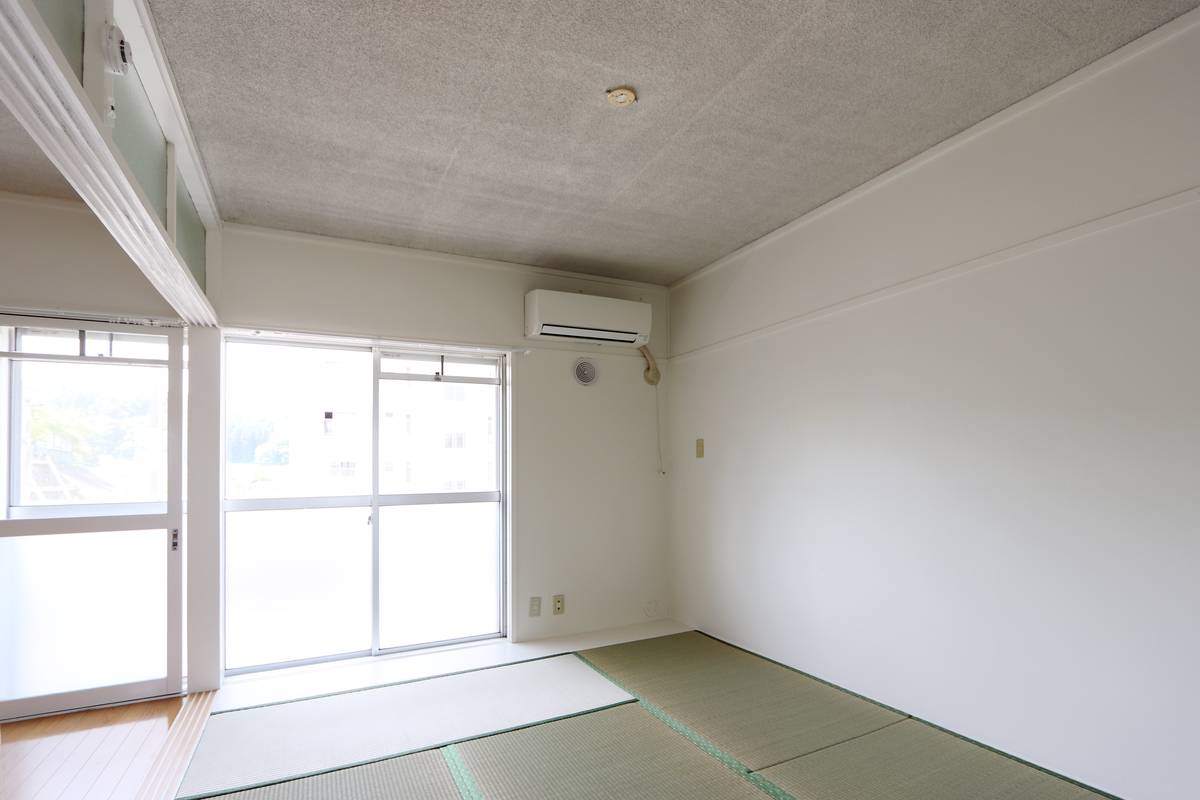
x=585, y=371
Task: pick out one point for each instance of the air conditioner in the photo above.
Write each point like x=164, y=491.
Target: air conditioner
x=567, y=315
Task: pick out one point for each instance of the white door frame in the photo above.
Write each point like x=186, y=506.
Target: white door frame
x=37, y=521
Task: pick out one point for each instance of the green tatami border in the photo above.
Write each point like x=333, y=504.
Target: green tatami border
x=790, y=668
x=463, y=779
x=698, y=740
x=907, y=715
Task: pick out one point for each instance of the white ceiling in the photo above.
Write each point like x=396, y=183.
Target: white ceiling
x=482, y=128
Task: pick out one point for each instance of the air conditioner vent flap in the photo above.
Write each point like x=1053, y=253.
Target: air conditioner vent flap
x=585, y=317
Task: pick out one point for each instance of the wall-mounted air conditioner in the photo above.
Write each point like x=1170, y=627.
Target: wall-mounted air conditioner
x=567, y=315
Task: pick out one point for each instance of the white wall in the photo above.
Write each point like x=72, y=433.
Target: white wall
x=57, y=257
x=294, y=281
x=952, y=440
x=588, y=504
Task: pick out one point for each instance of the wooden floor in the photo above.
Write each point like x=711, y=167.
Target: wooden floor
x=104, y=754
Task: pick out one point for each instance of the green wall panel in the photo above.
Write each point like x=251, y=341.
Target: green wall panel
x=189, y=232
x=137, y=134
x=64, y=18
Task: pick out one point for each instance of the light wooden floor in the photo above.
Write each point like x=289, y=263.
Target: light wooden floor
x=103, y=754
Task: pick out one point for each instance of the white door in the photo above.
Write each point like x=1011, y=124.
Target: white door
x=90, y=514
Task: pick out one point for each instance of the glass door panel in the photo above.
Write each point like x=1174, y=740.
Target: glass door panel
x=437, y=436
x=439, y=573
x=89, y=434
x=297, y=585
x=297, y=421
x=82, y=610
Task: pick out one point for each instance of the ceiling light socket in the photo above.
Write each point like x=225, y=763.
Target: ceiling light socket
x=622, y=96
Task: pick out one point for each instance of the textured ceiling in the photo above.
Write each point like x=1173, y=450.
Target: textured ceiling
x=481, y=128
x=24, y=168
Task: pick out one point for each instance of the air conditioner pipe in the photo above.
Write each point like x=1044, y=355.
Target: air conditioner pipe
x=652, y=375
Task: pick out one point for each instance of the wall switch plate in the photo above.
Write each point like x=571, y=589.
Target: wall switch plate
x=535, y=606
x=699, y=448
x=560, y=603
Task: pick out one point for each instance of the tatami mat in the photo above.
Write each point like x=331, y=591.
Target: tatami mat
x=623, y=752
x=257, y=746
x=915, y=761
x=420, y=776
x=759, y=712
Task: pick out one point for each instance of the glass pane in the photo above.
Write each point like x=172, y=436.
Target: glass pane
x=472, y=368
x=297, y=584
x=439, y=572
x=90, y=433
x=437, y=437
x=48, y=341
x=411, y=365
x=297, y=421
x=125, y=345
x=83, y=610
x=454, y=366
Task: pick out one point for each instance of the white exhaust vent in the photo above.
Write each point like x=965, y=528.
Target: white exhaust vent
x=585, y=372
x=585, y=317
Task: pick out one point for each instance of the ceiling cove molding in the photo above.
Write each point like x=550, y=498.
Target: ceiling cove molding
x=43, y=94
x=1143, y=44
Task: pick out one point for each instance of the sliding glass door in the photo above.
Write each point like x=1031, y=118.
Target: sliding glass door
x=90, y=523
x=363, y=501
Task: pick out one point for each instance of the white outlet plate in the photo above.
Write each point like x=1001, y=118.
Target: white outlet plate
x=560, y=603
x=535, y=606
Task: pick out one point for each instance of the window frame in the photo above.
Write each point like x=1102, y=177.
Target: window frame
x=381, y=350
x=86, y=518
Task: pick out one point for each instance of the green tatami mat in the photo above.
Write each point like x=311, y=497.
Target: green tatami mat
x=623, y=752
x=268, y=744
x=759, y=712
x=421, y=776
x=915, y=761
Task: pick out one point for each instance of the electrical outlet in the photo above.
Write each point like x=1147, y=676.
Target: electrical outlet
x=535, y=606
x=560, y=603
x=699, y=448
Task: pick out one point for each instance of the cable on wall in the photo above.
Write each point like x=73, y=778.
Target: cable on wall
x=658, y=432
x=653, y=376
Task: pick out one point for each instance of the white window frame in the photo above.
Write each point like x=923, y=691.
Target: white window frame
x=102, y=518
x=376, y=500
